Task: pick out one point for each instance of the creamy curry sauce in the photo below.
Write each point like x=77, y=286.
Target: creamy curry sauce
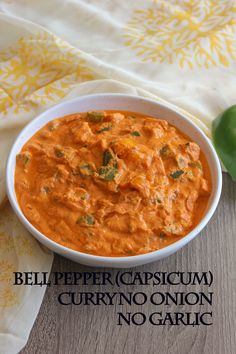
x=112, y=183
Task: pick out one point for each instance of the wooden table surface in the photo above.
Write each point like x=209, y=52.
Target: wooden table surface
x=93, y=330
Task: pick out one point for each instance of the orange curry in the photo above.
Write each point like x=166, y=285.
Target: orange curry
x=112, y=183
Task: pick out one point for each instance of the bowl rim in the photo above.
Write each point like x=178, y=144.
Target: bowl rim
x=110, y=260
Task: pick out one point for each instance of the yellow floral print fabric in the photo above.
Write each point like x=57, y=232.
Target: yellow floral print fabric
x=18, y=252
x=187, y=32
x=179, y=52
x=38, y=70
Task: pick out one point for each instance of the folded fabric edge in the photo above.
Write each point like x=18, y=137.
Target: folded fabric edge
x=11, y=344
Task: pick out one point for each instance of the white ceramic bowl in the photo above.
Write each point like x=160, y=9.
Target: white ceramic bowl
x=119, y=102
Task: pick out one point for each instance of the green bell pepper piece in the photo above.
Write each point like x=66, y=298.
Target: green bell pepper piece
x=224, y=139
